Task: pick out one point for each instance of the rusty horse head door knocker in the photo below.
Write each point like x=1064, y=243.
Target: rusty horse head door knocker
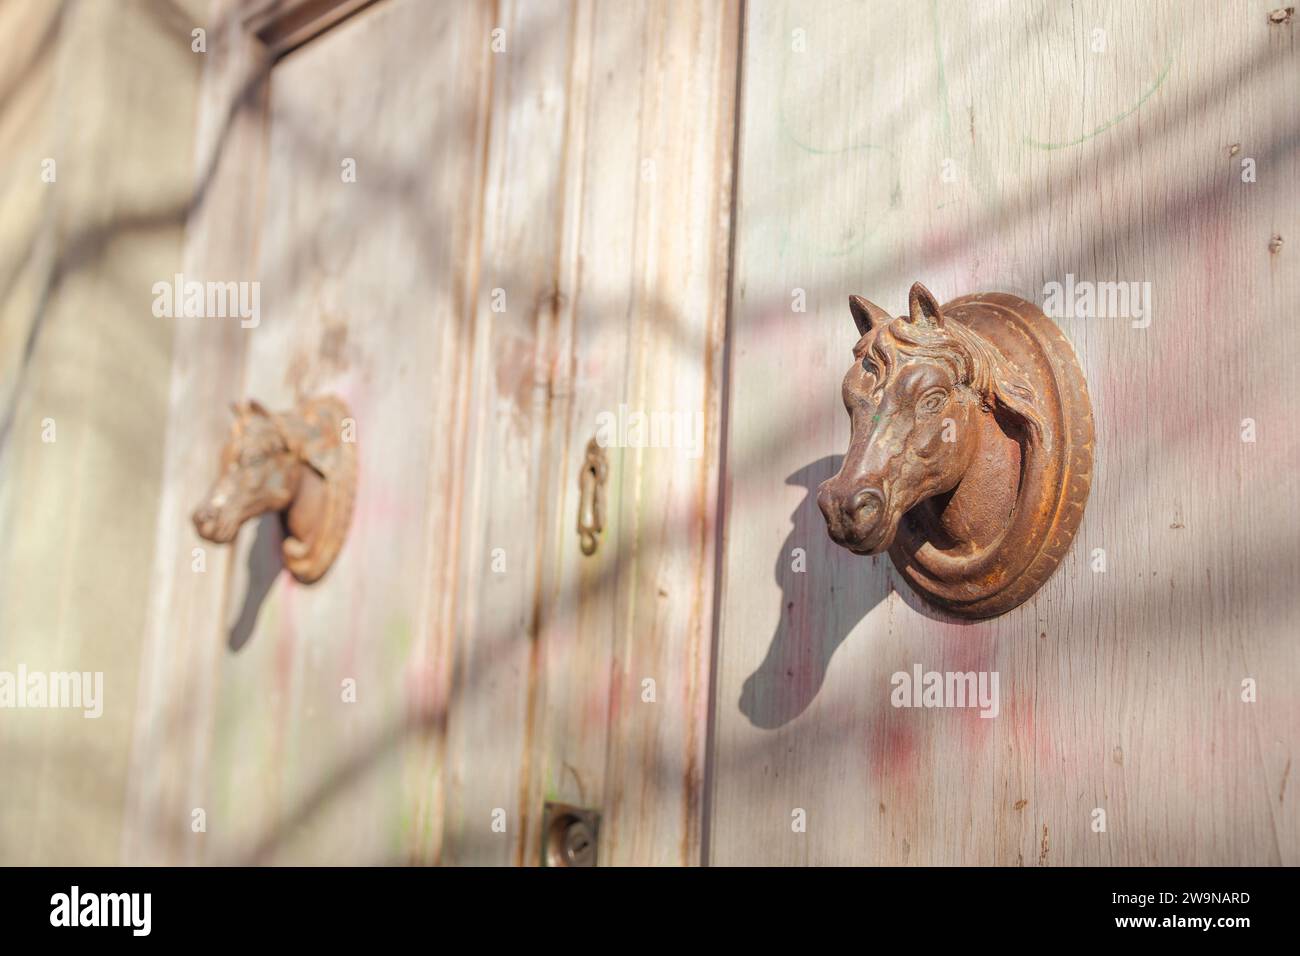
x=971, y=449
x=301, y=463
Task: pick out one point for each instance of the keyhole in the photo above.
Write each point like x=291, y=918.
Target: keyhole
x=591, y=506
x=570, y=836
x=578, y=844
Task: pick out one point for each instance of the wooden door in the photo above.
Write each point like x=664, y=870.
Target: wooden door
x=542, y=236
x=484, y=227
x=986, y=148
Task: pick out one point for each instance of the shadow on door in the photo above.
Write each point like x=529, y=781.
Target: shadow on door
x=825, y=592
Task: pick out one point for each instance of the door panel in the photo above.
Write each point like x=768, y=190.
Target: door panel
x=362, y=284
x=606, y=227
x=667, y=511
x=365, y=293
x=537, y=235
x=538, y=245
x=508, y=503
x=979, y=149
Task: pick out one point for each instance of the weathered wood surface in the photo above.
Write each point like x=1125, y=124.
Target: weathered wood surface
x=1119, y=690
x=606, y=227
x=564, y=172
x=184, y=635
x=586, y=171
x=518, y=311
x=364, y=291
x=84, y=367
x=648, y=265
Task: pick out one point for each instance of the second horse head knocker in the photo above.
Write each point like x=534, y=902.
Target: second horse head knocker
x=300, y=463
x=970, y=457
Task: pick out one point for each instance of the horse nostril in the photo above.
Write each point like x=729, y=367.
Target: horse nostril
x=865, y=503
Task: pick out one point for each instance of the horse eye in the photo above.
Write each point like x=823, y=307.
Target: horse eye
x=933, y=402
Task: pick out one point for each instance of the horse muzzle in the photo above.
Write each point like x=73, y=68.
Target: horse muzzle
x=856, y=518
x=212, y=525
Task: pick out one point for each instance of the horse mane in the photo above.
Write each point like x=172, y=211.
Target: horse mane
x=972, y=360
x=258, y=429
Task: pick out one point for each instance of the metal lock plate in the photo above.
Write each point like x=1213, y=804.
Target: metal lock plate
x=591, y=497
x=569, y=835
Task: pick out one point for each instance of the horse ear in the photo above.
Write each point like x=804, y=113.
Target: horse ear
x=867, y=315
x=257, y=408
x=923, y=307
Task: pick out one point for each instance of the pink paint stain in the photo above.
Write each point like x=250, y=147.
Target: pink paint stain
x=892, y=750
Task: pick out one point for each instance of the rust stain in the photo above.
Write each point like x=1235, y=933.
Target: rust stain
x=296, y=374
x=1020, y=804
x=513, y=372
x=333, y=345
x=1118, y=755
x=1043, y=849
x=1281, y=15
x=551, y=300
x=1275, y=244
x=304, y=372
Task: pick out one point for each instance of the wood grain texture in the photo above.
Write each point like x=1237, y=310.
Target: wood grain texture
x=1119, y=690
x=537, y=235
x=84, y=367
x=363, y=293
x=606, y=224
x=667, y=512
x=362, y=283
x=184, y=632
x=518, y=310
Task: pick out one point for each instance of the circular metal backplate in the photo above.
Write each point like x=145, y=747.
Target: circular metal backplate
x=1054, y=481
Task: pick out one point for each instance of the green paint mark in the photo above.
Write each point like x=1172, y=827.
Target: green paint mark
x=1110, y=122
x=1177, y=33
x=398, y=634
x=859, y=237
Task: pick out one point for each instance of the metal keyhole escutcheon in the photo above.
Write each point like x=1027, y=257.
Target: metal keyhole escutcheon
x=591, y=497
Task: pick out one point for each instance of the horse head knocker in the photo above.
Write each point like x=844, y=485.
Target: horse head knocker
x=300, y=463
x=970, y=455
